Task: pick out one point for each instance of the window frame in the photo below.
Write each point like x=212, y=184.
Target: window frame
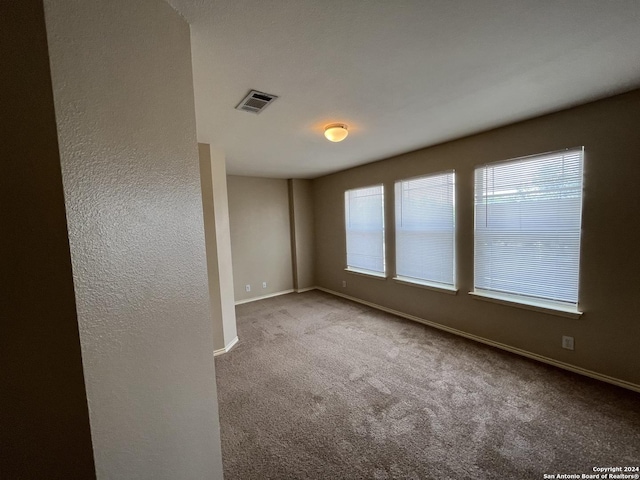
x=522, y=300
x=359, y=270
x=418, y=281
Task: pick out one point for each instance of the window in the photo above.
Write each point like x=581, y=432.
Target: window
x=425, y=229
x=364, y=218
x=527, y=229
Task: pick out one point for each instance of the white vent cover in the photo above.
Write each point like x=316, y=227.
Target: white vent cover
x=255, y=101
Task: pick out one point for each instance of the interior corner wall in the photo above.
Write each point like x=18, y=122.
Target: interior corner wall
x=45, y=429
x=260, y=236
x=607, y=334
x=302, y=233
x=123, y=95
x=215, y=207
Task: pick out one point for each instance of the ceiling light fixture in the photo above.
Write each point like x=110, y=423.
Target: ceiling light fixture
x=336, y=132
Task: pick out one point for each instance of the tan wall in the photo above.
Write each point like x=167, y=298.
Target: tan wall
x=302, y=233
x=123, y=93
x=606, y=336
x=44, y=416
x=260, y=235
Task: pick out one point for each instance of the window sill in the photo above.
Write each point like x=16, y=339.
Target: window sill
x=366, y=273
x=437, y=287
x=558, y=310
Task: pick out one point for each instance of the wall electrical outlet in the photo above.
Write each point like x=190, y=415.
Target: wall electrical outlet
x=264, y=284
x=567, y=342
x=247, y=288
x=344, y=283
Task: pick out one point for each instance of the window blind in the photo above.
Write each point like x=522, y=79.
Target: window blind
x=425, y=228
x=527, y=227
x=364, y=216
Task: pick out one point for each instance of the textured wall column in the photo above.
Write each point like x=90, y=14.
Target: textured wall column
x=44, y=417
x=215, y=205
x=123, y=94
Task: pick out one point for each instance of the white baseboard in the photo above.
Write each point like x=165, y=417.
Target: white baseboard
x=308, y=289
x=255, y=299
x=228, y=347
x=518, y=351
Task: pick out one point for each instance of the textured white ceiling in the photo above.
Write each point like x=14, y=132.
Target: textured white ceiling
x=403, y=74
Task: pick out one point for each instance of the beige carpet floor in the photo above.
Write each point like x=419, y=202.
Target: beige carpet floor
x=323, y=388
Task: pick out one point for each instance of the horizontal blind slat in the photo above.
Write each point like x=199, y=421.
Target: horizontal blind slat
x=364, y=224
x=527, y=226
x=425, y=228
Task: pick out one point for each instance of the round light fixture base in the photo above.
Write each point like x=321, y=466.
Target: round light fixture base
x=336, y=132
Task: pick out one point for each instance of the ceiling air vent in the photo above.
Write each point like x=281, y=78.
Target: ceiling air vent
x=255, y=102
